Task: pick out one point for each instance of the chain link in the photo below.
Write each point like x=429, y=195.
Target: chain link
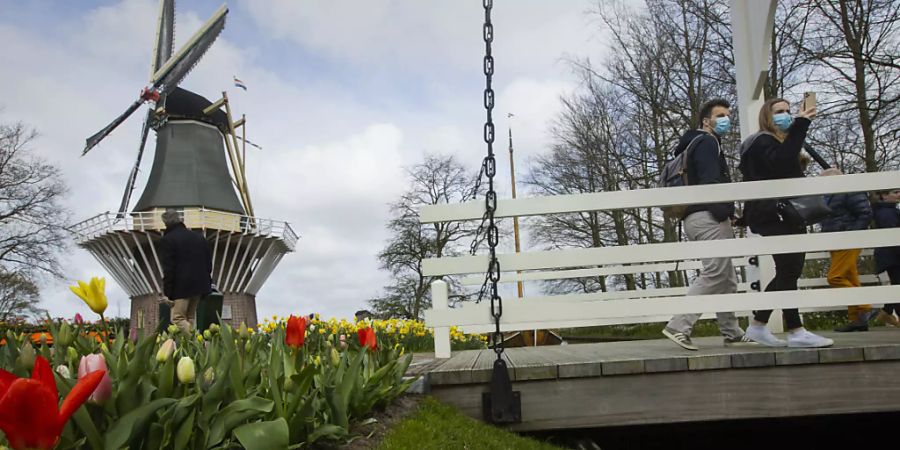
x=489, y=167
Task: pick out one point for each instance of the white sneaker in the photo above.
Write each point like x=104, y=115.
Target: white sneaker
x=804, y=339
x=762, y=335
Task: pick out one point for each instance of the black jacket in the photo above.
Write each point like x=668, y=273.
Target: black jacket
x=886, y=216
x=706, y=165
x=763, y=157
x=849, y=212
x=186, y=262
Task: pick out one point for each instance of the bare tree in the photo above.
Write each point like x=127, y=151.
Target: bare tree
x=19, y=298
x=437, y=180
x=664, y=63
x=32, y=220
x=855, y=45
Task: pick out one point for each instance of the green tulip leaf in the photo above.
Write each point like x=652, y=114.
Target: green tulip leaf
x=134, y=423
x=234, y=414
x=185, y=430
x=272, y=435
x=328, y=431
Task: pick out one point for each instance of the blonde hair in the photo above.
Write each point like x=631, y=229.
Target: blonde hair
x=766, y=123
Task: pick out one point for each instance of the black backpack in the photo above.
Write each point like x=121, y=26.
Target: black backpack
x=675, y=174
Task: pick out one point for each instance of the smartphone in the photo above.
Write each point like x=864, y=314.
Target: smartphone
x=809, y=100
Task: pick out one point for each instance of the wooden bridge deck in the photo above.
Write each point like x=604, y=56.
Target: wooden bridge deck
x=655, y=381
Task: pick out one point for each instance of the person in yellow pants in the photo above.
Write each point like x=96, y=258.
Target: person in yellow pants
x=844, y=273
x=849, y=212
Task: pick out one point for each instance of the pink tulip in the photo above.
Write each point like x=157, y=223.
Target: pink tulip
x=78, y=319
x=92, y=363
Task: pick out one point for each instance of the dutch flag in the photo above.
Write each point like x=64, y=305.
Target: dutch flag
x=239, y=83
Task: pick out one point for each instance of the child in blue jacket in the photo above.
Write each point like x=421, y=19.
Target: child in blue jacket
x=888, y=258
x=849, y=212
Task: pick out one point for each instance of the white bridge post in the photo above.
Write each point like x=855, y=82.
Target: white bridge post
x=440, y=303
x=752, y=23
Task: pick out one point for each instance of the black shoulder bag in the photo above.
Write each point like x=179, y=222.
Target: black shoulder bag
x=805, y=210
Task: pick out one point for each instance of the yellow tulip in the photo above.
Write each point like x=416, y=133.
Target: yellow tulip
x=93, y=293
x=185, y=370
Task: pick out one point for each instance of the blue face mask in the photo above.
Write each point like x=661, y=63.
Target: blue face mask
x=783, y=121
x=723, y=125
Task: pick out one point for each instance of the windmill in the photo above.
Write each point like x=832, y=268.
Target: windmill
x=190, y=173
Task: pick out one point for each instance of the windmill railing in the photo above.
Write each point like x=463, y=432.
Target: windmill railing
x=195, y=218
x=578, y=310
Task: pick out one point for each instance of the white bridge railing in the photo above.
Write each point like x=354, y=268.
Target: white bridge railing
x=651, y=305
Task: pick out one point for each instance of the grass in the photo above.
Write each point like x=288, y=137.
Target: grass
x=438, y=426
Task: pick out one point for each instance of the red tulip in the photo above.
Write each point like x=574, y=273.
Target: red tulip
x=90, y=364
x=295, y=332
x=367, y=338
x=78, y=319
x=29, y=412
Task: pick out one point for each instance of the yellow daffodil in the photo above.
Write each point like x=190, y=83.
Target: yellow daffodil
x=93, y=293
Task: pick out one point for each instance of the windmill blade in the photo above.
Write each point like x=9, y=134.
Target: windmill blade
x=178, y=66
x=98, y=136
x=132, y=178
x=165, y=35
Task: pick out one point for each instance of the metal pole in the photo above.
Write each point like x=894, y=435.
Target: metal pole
x=244, y=141
x=512, y=176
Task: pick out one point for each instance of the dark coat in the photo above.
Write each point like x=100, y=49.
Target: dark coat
x=763, y=157
x=886, y=216
x=706, y=165
x=849, y=212
x=187, y=263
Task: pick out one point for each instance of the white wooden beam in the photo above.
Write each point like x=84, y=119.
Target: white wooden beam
x=545, y=315
x=668, y=251
x=752, y=23
x=644, y=198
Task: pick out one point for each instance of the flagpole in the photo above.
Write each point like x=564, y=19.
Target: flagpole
x=512, y=176
x=512, y=179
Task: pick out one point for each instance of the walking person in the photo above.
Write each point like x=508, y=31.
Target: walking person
x=888, y=258
x=774, y=153
x=707, y=165
x=849, y=212
x=187, y=265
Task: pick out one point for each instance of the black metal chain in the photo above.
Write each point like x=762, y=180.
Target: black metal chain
x=490, y=169
x=501, y=404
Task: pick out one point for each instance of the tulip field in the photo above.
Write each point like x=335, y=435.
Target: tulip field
x=291, y=383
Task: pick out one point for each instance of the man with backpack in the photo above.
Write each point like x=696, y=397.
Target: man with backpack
x=699, y=160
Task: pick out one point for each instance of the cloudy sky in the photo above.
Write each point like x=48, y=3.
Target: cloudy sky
x=341, y=95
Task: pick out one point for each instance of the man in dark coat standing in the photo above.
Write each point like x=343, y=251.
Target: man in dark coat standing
x=187, y=264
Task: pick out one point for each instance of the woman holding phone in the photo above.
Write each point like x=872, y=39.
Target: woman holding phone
x=775, y=153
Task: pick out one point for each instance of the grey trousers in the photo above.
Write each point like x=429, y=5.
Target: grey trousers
x=716, y=277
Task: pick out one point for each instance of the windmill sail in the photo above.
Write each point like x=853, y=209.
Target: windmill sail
x=167, y=77
x=129, y=185
x=165, y=35
x=177, y=67
x=98, y=136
